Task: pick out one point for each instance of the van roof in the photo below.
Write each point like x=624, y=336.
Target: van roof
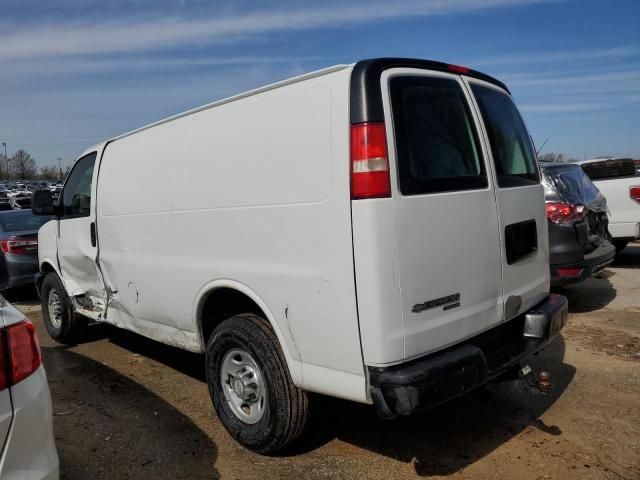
x=366, y=102
x=365, y=72
x=272, y=86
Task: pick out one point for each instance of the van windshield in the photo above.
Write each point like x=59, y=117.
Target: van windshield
x=513, y=154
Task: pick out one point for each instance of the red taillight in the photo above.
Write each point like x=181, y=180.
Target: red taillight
x=569, y=272
x=24, y=350
x=458, y=69
x=20, y=353
x=558, y=212
x=21, y=246
x=634, y=193
x=369, y=161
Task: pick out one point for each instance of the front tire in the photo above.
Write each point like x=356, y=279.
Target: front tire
x=250, y=386
x=62, y=323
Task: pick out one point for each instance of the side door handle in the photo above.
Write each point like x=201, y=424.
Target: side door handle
x=93, y=234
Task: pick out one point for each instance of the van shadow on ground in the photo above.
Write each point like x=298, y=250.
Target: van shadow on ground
x=592, y=294
x=448, y=438
x=132, y=433
x=629, y=257
x=108, y=426
x=441, y=441
x=26, y=295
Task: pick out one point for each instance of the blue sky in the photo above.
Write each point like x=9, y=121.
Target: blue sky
x=75, y=72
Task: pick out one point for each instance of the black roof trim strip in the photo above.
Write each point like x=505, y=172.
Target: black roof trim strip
x=366, y=97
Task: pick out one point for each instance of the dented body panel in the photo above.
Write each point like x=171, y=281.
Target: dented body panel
x=257, y=202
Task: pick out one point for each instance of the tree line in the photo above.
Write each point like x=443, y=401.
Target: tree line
x=22, y=166
x=556, y=158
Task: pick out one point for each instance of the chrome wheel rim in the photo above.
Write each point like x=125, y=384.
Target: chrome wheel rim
x=243, y=386
x=54, y=306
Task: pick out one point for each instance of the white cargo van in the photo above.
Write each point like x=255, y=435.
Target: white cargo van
x=375, y=232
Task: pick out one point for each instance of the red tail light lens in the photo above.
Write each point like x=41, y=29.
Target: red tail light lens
x=558, y=212
x=24, y=350
x=369, y=161
x=20, y=353
x=458, y=69
x=21, y=246
x=634, y=193
x=570, y=272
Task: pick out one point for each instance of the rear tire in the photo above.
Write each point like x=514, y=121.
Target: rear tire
x=620, y=245
x=62, y=323
x=244, y=346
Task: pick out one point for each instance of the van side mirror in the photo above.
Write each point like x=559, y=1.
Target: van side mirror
x=43, y=203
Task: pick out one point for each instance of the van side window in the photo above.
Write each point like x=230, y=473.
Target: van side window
x=513, y=154
x=436, y=143
x=76, y=196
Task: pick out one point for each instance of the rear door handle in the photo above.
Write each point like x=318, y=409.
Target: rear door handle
x=93, y=234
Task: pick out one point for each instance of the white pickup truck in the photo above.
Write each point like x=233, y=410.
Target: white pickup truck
x=619, y=181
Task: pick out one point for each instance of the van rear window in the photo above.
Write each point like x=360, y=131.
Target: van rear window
x=436, y=143
x=513, y=154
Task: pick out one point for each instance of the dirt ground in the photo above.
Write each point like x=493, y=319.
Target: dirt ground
x=127, y=407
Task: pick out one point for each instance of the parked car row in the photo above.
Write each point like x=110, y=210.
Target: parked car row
x=17, y=196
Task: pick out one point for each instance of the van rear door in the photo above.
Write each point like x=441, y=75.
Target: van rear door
x=446, y=223
x=520, y=198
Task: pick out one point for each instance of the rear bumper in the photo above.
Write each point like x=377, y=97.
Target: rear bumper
x=591, y=264
x=625, y=231
x=429, y=381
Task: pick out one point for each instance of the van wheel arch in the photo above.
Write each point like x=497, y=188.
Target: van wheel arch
x=223, y=299
x=45, y=269
x=61, y=321
x=221, y=303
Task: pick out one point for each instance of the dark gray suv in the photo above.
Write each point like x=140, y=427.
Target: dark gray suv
x=579, y=241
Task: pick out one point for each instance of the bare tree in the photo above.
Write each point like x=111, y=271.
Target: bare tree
x=4, y=168
x=49, y=173
x=23, y=165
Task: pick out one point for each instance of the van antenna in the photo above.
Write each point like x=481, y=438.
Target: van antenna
x=541, y=147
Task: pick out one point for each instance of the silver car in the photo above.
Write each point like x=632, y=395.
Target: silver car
x=26, y=432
